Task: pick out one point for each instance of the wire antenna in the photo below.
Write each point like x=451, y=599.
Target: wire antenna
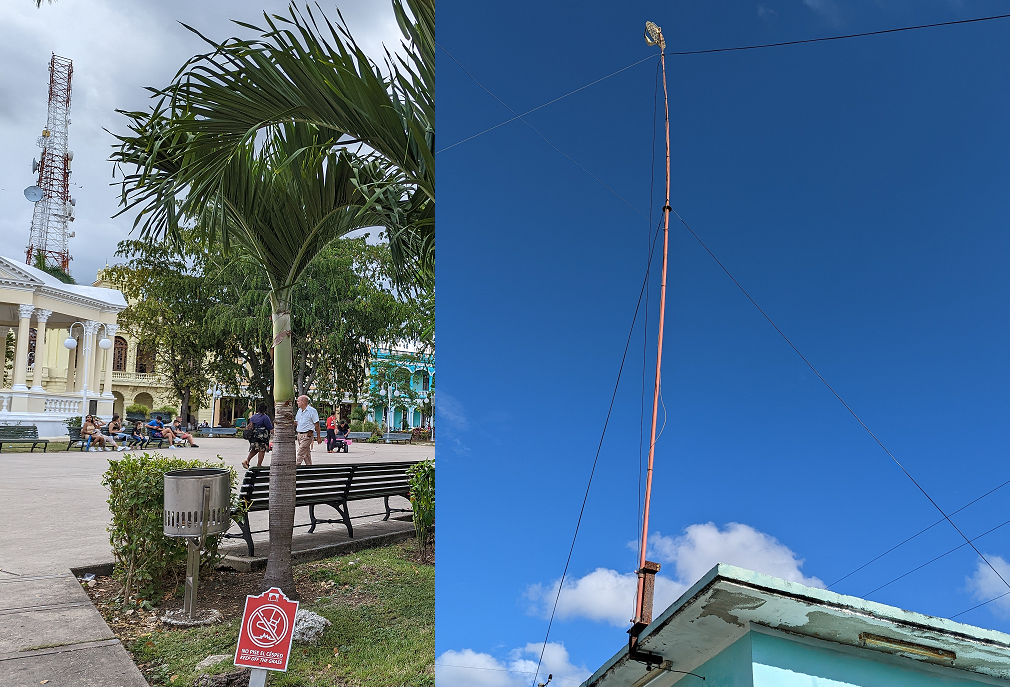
x=646, y=569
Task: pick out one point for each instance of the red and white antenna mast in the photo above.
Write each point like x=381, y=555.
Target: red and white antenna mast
x=54, y=208
x=647, y=569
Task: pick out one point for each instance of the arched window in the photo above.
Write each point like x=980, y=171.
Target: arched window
x=145, y=361
x=425, y=381
x=119, y=355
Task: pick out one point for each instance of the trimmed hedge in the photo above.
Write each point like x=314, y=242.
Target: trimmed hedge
x=145, y=558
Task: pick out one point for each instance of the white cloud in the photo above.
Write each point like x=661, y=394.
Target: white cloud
x=984, y=584
x=451, y=419
x=764, y=11
x=450, y=410
x=702, y=546
x=827, y=9
x=468, y=668
x=605, y=595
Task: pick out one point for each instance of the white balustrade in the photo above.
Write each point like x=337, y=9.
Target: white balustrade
x=63, y=405
x=124, y=377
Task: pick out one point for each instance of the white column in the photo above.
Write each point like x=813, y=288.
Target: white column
x=88, y=363
x=111, y=330
x=21, y=350
x=41, y=317
x=3, y=355
x=72, y=362
x=98, y=355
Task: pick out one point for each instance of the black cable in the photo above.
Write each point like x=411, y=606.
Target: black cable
x=933, y=560
x=995, y=598
x=922, y=531
x=537, y=132
x=715, y=50
x=549, y=102
x=840, y=400
x=838, y=38
x=592, y=472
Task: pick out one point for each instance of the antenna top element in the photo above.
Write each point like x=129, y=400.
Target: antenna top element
x=654, y=35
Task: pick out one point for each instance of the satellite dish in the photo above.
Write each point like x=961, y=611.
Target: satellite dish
x=33, y=193
x=35, y=165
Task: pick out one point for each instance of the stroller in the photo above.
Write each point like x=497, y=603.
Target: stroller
x=340, y=443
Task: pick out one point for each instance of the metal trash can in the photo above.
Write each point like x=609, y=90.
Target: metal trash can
x=197, y=504
x=184, y=502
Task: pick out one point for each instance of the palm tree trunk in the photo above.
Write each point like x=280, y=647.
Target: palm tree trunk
x=282, y=462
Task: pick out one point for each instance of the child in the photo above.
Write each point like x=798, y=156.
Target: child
x=137, y=438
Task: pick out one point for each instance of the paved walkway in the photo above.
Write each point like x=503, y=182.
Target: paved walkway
x=62, y=497
x=49, y=630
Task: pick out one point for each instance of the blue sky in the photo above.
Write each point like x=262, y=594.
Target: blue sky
x=857, y=189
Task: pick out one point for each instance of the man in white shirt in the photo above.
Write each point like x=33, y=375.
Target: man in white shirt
x=306, y=423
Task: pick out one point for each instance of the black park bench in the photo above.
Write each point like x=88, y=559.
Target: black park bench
x=22, y=434
x=398, y=436
x=326, y=485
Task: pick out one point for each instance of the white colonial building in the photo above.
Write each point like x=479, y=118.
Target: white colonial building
x=46, y=382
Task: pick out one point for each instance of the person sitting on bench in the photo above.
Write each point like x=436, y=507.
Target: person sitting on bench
x=116, y=431
x=137, y=438
x=98, y=440
x=157, y=429
x=179, y=433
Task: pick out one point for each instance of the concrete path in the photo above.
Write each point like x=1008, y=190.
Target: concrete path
x=55, y=516
x=50, y=633
x=62, y=502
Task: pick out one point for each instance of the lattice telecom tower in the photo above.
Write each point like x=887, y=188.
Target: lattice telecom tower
x=54, y=209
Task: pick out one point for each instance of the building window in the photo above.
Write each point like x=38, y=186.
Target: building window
x=145, y=361
x=119, y=355
x=425, y=381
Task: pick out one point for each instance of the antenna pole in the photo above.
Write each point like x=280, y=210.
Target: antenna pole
x=643, y=606
x=48, y=241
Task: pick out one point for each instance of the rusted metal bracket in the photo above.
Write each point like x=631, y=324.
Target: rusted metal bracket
x=647, y=657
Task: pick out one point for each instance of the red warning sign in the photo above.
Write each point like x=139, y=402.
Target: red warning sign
x=268, y=623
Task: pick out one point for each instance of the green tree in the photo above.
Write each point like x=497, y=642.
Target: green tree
x=342, y=306
x=169, y=299
x=277, y=204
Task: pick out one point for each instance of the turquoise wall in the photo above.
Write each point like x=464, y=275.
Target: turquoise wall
x=781, y=662
x=731, y=667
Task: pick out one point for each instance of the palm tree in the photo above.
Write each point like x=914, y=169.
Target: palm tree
x=306, y=70
x=277, y=203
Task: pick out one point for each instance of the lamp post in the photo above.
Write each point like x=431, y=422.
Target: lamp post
x=214, y=391
x=391, y=392
x=89, y=329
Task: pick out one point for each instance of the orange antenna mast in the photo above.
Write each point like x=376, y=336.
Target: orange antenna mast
x=647, y=569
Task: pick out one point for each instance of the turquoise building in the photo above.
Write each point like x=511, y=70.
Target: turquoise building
x=401, y=386
x=737, y=628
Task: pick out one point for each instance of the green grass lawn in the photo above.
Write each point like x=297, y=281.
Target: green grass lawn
x=382, y=606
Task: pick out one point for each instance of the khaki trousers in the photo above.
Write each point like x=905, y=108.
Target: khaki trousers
x=303, y=448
